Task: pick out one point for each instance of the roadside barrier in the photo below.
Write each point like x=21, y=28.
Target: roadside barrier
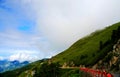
x=96, y=73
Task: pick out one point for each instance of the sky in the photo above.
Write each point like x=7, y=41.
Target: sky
x=35, y=29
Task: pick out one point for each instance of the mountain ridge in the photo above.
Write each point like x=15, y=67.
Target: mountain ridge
x=88, y=44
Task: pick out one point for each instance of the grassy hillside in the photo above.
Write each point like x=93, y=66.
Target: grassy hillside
x=87, y=50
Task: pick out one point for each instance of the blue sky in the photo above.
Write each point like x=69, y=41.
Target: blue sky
x=35, y=29
x=17, y=32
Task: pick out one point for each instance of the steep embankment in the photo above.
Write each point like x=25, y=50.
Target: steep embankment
x=87, y=50
x=111, y=61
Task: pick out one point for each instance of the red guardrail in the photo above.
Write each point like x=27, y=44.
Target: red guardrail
x=96, y=73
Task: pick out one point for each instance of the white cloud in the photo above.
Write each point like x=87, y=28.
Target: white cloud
x=63, y=22
x=24, y=56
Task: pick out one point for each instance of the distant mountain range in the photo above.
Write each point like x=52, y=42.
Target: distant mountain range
x=6, y=65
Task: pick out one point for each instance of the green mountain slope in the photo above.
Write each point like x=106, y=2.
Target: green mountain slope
x=87, y=50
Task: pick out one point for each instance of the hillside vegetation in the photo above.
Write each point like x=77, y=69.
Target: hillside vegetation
x=88, y=50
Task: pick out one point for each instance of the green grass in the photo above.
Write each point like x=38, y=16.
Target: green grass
x=87, y=46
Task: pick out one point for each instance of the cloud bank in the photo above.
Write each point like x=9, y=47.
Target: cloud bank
x=24, y=56
x=51, y=26
x=63, y=22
